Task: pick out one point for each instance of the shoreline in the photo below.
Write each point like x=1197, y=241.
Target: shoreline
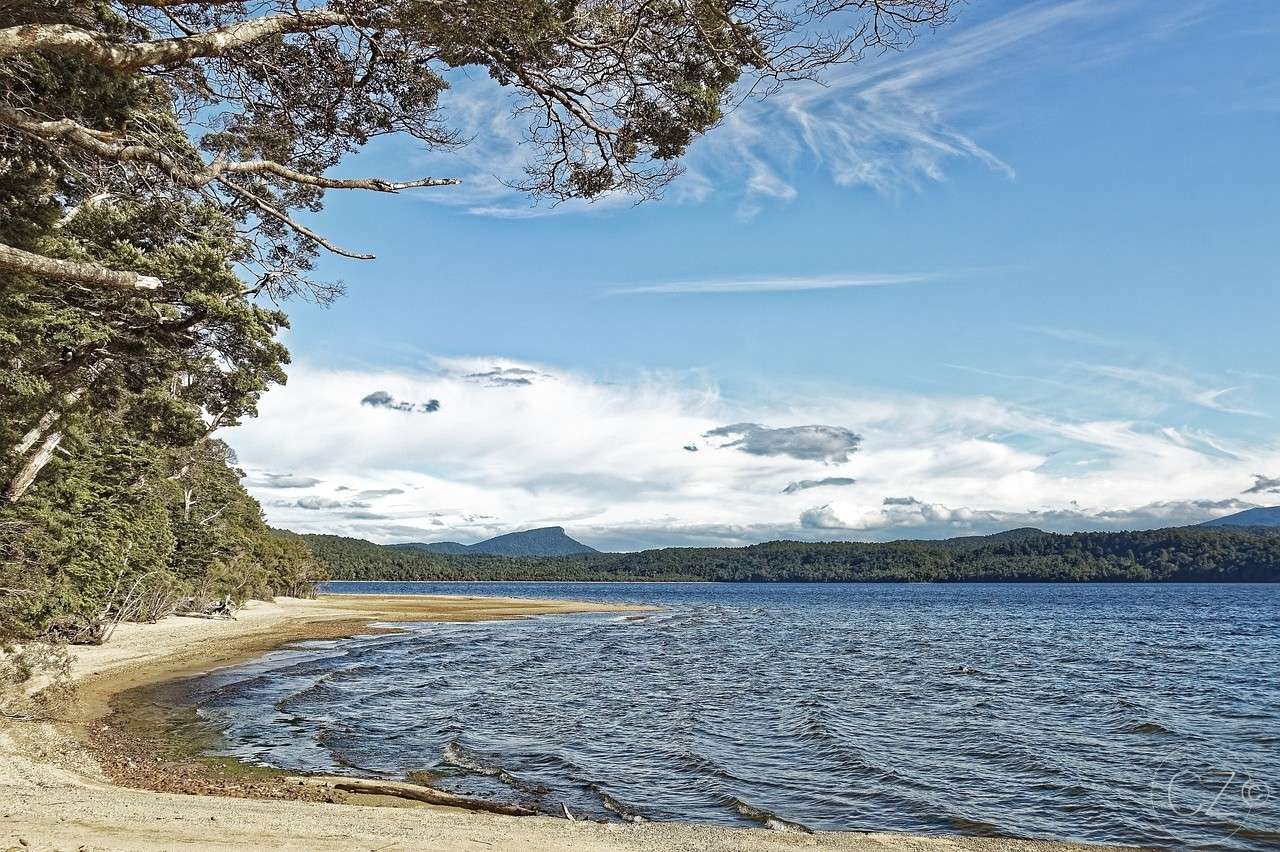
x=63, y=792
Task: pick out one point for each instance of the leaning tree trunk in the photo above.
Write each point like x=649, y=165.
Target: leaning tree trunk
x=51, y=416
x=29, y=471
x=39, y=433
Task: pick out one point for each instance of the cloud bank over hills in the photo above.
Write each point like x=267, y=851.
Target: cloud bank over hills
x=513, y=445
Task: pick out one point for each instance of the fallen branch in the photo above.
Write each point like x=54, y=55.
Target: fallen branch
x=417, y=793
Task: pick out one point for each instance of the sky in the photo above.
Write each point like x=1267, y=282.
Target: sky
x=1023, y=273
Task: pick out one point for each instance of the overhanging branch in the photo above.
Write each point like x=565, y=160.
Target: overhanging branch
x=16, y=260
x=108, y=146
x=69, y=40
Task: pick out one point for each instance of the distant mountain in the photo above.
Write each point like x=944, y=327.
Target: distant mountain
x=547, y=541
x=1263, y=516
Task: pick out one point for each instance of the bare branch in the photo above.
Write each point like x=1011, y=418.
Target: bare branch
x=274, y=212
x=16, y=260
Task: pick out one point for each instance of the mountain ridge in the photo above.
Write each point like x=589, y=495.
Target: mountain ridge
x=1260, y=516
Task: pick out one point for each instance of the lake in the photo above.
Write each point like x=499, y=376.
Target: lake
x=1145, y=714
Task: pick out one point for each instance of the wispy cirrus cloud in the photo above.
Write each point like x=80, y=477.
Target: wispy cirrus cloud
x=1181, y=386
x=894, y=121
x=780, y=284
x=899, y=121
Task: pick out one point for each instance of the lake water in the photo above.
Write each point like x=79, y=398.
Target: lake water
x=1108, y=713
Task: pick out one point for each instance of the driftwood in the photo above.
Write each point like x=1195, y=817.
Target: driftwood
x=418, y=793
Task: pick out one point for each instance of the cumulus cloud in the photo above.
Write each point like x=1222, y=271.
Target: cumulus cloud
x=815, y=443
x=805, y=484
x=382, y=399
x=908, y=517
x=821, y=518
x=1264, y=485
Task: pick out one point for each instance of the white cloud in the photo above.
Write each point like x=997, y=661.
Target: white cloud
x=608, y=460
x=1185, y=388
x=776, y=284
x=906, y=517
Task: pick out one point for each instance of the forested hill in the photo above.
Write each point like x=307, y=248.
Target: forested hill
x=1169, y=555
x=546, y=541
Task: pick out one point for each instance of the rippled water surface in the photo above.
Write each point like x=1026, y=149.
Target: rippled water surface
x=1116, y=713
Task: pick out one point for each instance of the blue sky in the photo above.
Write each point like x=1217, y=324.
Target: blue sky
x=1030, y=263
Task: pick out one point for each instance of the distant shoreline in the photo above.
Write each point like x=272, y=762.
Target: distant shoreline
x=57, y=790
x=1171, y=555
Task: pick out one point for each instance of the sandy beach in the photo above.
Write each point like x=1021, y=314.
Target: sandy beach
x=56, y=794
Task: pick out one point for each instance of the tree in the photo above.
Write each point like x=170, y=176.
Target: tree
x=269, y=96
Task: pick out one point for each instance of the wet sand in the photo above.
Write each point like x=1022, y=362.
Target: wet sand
x=59, y=784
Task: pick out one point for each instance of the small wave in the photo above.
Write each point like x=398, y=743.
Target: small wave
x=457, y=755
x=628, y=813
x=768, y=819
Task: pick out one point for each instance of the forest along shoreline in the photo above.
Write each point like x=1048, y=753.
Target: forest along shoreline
x=93, y=776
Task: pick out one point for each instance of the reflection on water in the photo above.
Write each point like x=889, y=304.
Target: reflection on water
x=1118, y=713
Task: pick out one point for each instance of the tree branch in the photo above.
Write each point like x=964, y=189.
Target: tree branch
x=16, y=260
x=273, y=212
x=373, y=184
x=107, y=146
x=69, y=40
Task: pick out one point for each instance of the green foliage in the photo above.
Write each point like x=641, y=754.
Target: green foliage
x=1170, y=555
x=137, y=510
